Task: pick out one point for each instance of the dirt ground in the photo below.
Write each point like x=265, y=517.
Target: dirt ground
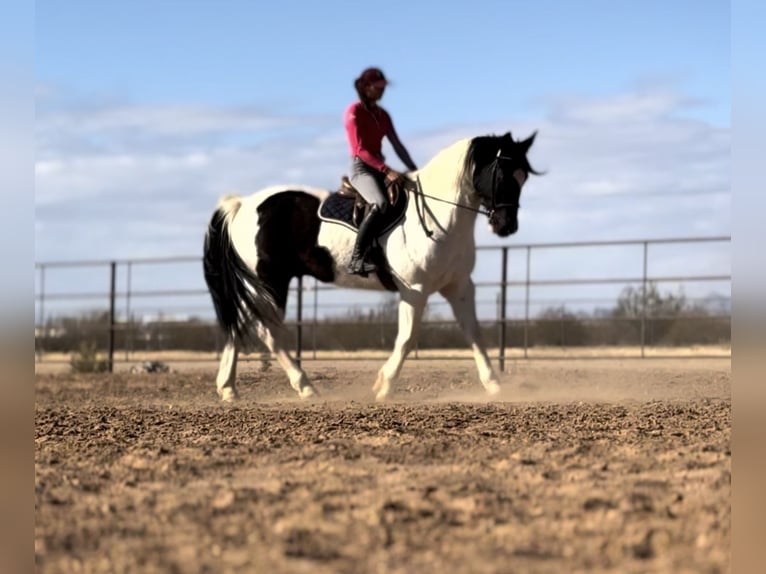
x=577, y=466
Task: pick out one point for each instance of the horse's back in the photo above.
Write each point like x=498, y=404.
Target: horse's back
x=267, y=193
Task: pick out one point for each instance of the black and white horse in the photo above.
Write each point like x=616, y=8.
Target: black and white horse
x=255, y=245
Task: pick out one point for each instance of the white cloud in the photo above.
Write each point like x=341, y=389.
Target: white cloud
x=629, y=109
x=161, y=120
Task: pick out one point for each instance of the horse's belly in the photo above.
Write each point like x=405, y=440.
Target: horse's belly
x=339, y=242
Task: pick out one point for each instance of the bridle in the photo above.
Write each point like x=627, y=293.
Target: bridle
x=494, y=204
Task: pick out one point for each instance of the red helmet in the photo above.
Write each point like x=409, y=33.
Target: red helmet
x=371, y=76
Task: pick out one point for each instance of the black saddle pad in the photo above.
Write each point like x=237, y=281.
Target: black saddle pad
x=337, y=208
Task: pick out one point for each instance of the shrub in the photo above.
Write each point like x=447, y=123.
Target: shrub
x=86, y=360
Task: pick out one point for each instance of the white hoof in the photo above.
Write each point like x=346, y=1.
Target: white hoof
x=382, y=393
x=308, y=392
x=379, y=381
x=492, y=388
x=228, y=395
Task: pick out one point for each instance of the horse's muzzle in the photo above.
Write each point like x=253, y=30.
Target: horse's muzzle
x=503, y=224
x=507, y=230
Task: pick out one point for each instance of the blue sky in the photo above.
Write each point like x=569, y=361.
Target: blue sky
x=148, y=111
x=489, y=57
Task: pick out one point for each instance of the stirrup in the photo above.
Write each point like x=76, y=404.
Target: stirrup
x=361, y=267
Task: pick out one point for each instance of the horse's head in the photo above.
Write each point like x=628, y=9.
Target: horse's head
x=500, y=169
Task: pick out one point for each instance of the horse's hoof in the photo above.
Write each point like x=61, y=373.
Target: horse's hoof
x=228, y=395
x=492, y=388
x=308, y=392
x=380, y=381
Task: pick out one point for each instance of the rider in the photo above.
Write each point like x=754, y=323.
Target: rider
x=366, y=124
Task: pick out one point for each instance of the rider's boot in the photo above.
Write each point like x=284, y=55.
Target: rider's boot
x=358, y=264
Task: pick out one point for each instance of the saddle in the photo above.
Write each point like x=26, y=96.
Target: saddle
x=347, y=206
x=361, y=206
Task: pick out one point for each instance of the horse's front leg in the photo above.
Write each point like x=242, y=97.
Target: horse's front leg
x=462, y=299
x=410, y=313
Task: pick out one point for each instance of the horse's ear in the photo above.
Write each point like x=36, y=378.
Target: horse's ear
x=527, y=143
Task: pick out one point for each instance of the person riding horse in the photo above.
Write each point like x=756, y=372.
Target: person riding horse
x=367, y=123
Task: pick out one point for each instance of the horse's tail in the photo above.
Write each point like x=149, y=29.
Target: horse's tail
x=238, y=294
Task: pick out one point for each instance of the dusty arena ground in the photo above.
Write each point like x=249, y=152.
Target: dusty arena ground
x=621, y=465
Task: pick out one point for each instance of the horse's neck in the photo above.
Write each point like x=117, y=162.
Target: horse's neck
x=442, y=178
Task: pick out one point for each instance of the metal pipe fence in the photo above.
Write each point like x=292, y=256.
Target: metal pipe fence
x=522, y=324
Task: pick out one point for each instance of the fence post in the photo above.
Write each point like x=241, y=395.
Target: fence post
x=503, y=287
x=562, y=317
x=526, y=301
x=299, y=317
x=314, y=327
x=43, y=330
x=643, y=299
x=128, y=338
x=112, y=300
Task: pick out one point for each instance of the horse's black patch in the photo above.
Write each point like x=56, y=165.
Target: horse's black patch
x=288, y=228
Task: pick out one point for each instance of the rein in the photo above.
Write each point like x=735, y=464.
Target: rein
x=419, y=192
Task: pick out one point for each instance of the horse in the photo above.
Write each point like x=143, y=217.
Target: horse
x=255, y=245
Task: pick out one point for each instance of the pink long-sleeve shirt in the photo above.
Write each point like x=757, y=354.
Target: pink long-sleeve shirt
x=365, y=130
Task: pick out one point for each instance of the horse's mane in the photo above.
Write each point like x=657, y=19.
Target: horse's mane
x=441, y=170
x=453, y=167
x=466, y=154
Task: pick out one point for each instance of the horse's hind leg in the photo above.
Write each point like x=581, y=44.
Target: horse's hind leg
x=462, y=300
x=227, y=371
x=410, y=312
x=275, y=339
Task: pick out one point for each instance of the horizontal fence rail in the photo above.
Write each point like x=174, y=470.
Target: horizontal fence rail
x=305, y=293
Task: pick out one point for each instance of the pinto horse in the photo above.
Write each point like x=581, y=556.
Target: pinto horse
x=255, y=245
